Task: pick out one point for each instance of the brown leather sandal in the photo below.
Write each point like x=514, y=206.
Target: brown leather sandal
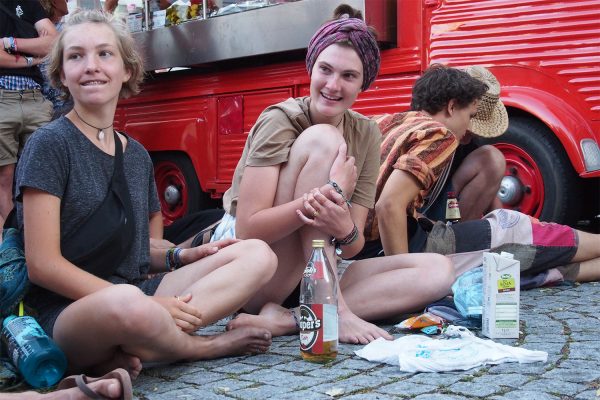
x=82, y=382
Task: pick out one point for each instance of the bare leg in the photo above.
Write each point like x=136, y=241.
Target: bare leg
x=117, y=325
x=222, y=283
x=308, y=167
x=108, y=388
x=385, y=287
x=477, y=181
x=6, y=181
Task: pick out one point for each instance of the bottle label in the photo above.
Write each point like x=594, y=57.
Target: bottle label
x=314, y=269
x=18, y=335
x=318, y=324
x=452, y=210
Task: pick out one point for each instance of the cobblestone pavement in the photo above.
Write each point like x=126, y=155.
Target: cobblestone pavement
x=563, y=321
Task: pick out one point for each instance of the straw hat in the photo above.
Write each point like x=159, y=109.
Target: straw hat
x=491, y=119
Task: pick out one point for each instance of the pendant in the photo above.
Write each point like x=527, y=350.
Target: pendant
x=100, y=135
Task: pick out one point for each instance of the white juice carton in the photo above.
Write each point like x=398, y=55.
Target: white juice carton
x=501, y=291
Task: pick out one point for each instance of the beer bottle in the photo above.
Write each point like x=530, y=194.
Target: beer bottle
x=452, y=210
x=318, y=308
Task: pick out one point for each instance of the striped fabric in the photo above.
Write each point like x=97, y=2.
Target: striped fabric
x=17, y=82
x=415, y=143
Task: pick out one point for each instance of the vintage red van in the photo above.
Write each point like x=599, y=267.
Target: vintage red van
x=546, y=54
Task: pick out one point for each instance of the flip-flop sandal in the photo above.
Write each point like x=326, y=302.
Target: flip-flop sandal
x=82, y=382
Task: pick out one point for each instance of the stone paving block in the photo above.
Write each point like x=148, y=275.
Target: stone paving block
x=527, y=369
x=525, y=395
x=226, y=386
x=279, y=378
x=332, y=373
x=475, y=389
x=356, y=364
x=187, y=393
x=579, y=364
x=260, y=392
x=573, y=375
x=173, y=371
x=355, y=383
x=588, y=395
x=304, y=395
x=219, y=362
x=554, y=387
x=584, y=325
x=564, y=315
x=508, y=380
x=583, y=353
x=545, y=338
x=268, y=360
x=152, y=385
x=406, y=388
x=389, y=371
x=201, y=378
x=584, y=336
x=298, y=366
x=438, y=397
x=437, y=379
x=368, y=396
x=236, y=368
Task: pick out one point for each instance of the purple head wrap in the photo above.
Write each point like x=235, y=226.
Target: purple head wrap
x=351, y=30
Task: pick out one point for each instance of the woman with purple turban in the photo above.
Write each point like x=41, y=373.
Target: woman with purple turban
x=308, y=171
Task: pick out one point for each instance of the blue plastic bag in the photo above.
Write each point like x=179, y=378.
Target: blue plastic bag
x=468, y=293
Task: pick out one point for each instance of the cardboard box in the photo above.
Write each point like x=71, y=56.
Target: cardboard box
x=134, y=22
x=159, y=19
x=501, y=291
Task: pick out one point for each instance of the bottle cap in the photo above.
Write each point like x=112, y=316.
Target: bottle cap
x=318, y=243
x=451, y=194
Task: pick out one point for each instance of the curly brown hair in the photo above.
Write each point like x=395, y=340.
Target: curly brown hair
x=439, y=84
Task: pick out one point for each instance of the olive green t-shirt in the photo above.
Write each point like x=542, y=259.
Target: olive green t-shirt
x=271, y=138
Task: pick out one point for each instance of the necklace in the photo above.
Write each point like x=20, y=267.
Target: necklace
x=100, y=134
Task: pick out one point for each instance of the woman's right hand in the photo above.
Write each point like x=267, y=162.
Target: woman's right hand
x=187, y=317
x=343, y=171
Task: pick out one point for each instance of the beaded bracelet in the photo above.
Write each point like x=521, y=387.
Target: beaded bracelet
x=348, y=239
x=338, y=189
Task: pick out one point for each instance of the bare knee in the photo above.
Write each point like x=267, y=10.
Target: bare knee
x=264, y=259
x=445, y=274
x=127, y=307
x=320, y=141
x=493, y=163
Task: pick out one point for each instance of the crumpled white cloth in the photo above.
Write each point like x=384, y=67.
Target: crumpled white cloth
x=418, y=353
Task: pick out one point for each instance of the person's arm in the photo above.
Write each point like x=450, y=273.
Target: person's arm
x=41, y=45
x=45, y=264
x=156, y=225
x=14, y=61
x=256, y=217
x=399, y=191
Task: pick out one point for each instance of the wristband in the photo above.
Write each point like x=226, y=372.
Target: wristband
x=348, y=239
x=339, y=191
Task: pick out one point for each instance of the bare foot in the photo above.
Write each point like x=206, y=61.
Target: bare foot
x=128, y=362
x=277, y=319
x=243, y=341
x=354, y=330
x=107, y=388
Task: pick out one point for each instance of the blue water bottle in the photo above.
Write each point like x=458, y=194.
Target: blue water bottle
x=35, y=355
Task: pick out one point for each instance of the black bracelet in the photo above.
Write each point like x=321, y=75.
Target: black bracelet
x=339, y=190
x=348, y=239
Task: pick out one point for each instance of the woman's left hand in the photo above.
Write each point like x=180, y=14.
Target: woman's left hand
x=187, y=317
x=328, y=213
x=193, y=254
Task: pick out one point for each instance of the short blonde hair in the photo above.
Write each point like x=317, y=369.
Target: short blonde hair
x=126, y=45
